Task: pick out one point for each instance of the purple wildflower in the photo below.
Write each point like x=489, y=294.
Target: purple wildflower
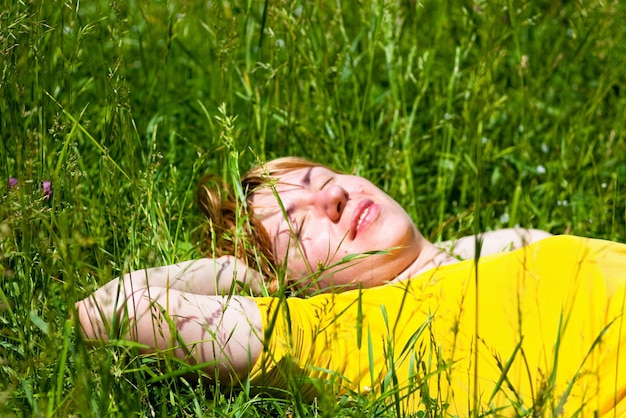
x=47, y=189
x=46, y=186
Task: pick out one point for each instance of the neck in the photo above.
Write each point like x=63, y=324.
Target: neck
x=429, y=258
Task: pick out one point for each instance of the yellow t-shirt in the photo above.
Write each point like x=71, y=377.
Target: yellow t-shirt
x=549, y=333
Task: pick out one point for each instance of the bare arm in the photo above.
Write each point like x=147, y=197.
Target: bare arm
x=204, y=276
x=223, y=333
x=493, y=242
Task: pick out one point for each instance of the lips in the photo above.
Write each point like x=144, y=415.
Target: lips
x=363, y=216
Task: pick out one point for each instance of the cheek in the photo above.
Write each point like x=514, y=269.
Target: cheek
x=279, y=239
x=295, y=255
x=313, y=255
x=296, y=266
x=303, y=259
x=281, y=246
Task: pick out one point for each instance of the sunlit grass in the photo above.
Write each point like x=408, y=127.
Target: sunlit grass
x=472, y=115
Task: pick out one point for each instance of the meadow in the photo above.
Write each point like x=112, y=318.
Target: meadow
x=474, y=115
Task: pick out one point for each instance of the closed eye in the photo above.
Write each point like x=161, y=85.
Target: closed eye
x=297, y=227
x=326, y=183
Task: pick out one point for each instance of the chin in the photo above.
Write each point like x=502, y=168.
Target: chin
x=348, y=279
x=368, y=272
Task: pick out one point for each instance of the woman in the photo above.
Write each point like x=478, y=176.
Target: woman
x=539, y=329
x=313, y=217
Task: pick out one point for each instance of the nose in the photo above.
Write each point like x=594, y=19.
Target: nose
x=332, y=200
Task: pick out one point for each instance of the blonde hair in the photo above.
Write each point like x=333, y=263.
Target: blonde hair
x=232, y=228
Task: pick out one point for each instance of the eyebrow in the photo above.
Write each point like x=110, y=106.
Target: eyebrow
x=306, y=180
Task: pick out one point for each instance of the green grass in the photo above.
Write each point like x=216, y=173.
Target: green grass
x=473, y=115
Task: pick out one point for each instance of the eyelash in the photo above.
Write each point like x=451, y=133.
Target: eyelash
x=326, y=182
x=297, y=228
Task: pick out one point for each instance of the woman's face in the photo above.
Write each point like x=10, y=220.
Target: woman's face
x=316, y=217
